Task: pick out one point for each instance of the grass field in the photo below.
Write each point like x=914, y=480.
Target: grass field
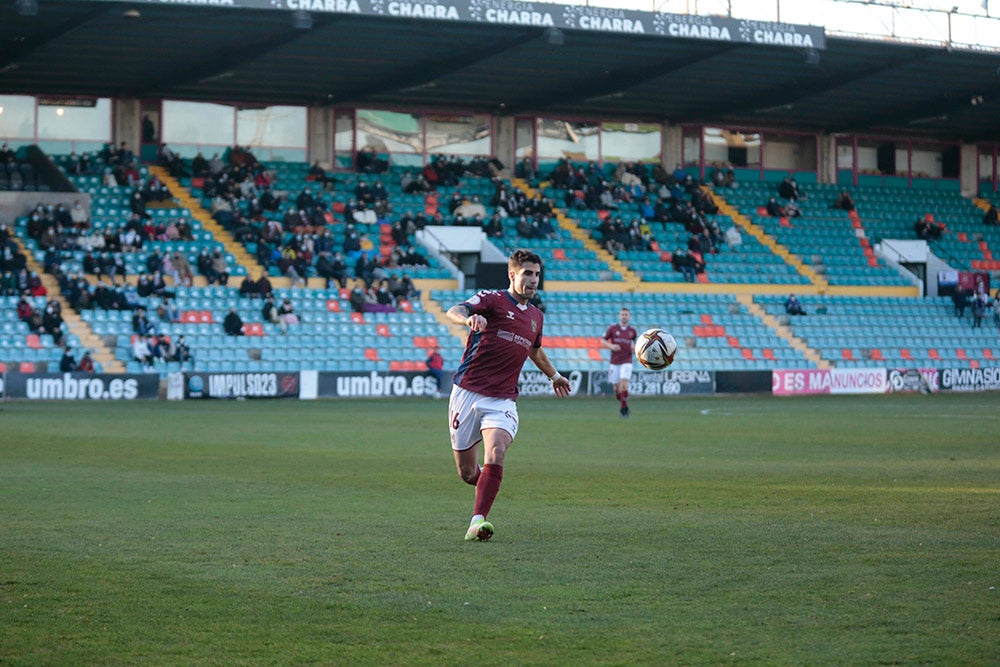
x=703, y=531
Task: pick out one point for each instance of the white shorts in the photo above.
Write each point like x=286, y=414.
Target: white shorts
x=469, y=413
x=618, y=372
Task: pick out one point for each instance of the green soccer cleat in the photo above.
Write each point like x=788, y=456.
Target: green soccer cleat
x=480, y=531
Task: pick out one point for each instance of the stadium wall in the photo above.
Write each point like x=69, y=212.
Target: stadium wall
x=310, y=385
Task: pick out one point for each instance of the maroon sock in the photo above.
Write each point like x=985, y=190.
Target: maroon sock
x=623, y=399
x=487, y=488
x=475, y=480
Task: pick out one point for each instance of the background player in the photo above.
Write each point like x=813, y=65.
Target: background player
x=505, y=329
x=620, y=339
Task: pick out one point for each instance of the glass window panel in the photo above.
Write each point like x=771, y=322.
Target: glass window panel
x=198, y=124
x=271, y=127
x=459, y=134
x=986, y=164
x=71, y=122
x=630, y=142
x=389, y=132
x=17, y=118
x=928, y=161
x=716, y=145
x=845, y=156
x=580, y=142
x=691, y=145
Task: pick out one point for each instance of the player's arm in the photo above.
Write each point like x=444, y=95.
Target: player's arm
x=560, y=385
x=607, y=343
x=462, y=314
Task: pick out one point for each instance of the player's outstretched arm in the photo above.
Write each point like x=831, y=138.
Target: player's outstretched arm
x=460, y=314
x=560, y=385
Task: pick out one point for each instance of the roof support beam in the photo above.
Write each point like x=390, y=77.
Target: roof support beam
x=426, y=72
x=11, y=55
x=609, y=83
x=789, y=93
x=225, y=60
x=942, y=105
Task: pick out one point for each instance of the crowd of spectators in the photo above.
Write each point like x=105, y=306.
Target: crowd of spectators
x=293, y=232
x=654, y=197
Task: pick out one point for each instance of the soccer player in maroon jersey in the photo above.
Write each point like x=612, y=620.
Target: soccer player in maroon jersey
x=620, y=339
x=504, y=331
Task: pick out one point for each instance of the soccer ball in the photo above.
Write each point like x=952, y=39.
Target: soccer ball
x=655, y=349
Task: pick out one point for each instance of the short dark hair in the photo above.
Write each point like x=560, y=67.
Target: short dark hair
x=520, y=257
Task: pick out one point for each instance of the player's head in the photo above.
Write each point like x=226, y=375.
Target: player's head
x=524, y=268
x=624, y=315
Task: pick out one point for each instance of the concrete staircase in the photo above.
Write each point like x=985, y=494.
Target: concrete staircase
x=782, y=331
x=200, y=213
x=630, y=279
x=781, y=251
x=88, y=339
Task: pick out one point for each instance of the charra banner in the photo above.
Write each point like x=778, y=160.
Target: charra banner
x=546, y=15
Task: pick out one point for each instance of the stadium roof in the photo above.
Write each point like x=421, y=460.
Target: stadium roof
x=266, y=56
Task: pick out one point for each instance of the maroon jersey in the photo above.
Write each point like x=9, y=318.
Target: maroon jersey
x=492, y=361
x=623, y=336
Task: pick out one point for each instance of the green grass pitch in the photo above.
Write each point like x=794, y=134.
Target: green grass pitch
x=702, y=531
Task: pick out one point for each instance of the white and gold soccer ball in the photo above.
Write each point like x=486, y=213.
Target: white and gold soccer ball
x=655, y=349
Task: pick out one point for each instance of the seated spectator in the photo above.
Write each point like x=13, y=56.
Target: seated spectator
x=471, y=208
x=789, y=188
x=793, y=306
x=67, y=364
x=703, y=202
x=403, y=289
x=86, y=364
x=155, y=348
x=167, y=311
x=248, y=288
x=269, y=312
x=383, y=296
x=698, y=261
x=435, y=369
x=844, y=201
x=724, y=176
x=25, y=310
x=52, y=323
x=232, y=325
x=141, y=324
x=78, y=215
x=991, y=217
x=776, y=210
x=927, y=229
x=332, y=268
x=734, y=239
x=141, y=352
x=683, y=264
x=357, y=300
x=181, y=269
x=182, y=352
x=286, y=313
